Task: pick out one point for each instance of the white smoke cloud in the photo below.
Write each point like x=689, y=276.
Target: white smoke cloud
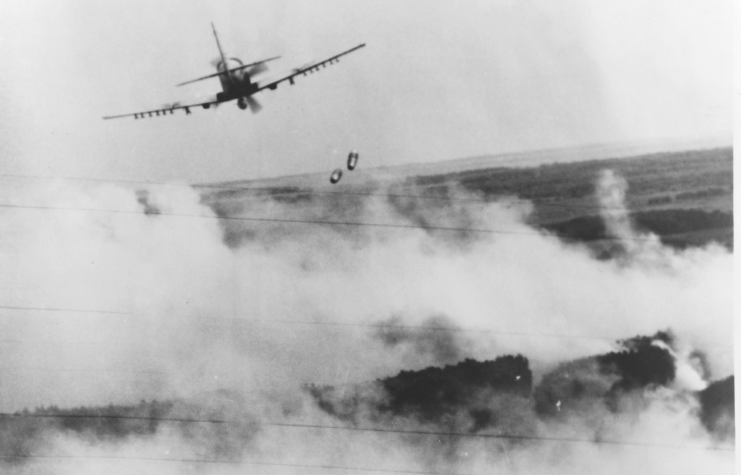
x=206, y=304
x=611, y=193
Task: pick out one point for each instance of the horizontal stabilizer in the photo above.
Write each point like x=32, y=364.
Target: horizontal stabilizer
x=230, y=70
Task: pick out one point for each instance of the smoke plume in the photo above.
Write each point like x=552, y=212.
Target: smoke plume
x=162, y=332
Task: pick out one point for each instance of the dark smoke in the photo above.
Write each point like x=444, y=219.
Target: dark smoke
x=345, y=276
x=434, y=392
x=641, y=363
x=717, y=408
x=474, y=396
x=471, y=397
x=468, y=396
x=604, y=379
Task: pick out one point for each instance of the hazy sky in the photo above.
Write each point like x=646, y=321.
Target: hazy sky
x=438, y=80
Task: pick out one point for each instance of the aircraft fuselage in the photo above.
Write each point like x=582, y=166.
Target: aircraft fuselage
x=234, y=84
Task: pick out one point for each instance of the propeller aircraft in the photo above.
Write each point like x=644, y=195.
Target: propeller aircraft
x=237, y=83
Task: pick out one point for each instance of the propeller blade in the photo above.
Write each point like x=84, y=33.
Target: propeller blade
x=255, y=106
x=257, y=69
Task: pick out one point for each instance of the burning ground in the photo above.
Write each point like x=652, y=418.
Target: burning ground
x=432, y=412
x=443, y=335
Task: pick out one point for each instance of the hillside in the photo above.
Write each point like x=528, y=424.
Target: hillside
x=685, y=197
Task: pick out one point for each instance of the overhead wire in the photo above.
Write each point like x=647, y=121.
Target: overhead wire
x=379, y=430
x=376, y=326
x=60, y=309
x=78, y=370
x=318, y=222
x=290, y=190
x=225, y=462
x=382, y=326
x=498, y=436
x=9, y=415
x=330, y=223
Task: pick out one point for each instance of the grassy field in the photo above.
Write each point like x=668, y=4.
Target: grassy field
x=684, y=197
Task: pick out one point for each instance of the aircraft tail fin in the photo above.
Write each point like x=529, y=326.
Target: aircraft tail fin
x=224, y=70
x=218, y=44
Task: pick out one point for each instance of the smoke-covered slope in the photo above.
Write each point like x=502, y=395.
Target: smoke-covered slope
x=400, y=314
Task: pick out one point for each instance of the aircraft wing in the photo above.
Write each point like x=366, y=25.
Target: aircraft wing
x=205, y=103
x=303, y=70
